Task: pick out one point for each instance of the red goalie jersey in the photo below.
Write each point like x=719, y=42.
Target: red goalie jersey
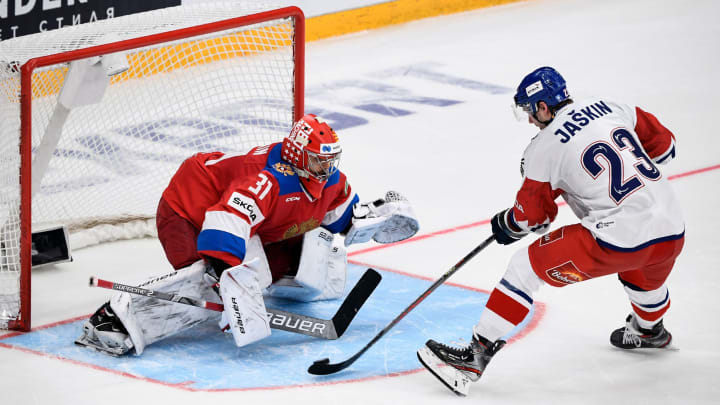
x=619, y=189
x=233, y=197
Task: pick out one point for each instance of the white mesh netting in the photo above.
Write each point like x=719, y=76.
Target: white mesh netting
x=227, y=90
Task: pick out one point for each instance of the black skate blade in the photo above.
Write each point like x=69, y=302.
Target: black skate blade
x=455, y=390
x=87, y=344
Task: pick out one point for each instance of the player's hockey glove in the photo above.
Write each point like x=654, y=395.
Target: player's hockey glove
x=503, y=228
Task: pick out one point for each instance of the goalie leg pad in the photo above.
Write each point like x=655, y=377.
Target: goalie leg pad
x=322, y=271
x=245, y=313
x=149, y=320
x=255, y=253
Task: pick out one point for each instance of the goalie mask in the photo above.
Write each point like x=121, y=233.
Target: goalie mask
x=314, y=150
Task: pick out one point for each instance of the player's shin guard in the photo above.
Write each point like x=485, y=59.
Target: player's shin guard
x=649, y=306
x=457, y=367
x=511, y=299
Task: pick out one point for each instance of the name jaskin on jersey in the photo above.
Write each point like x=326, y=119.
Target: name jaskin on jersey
x=581, y=118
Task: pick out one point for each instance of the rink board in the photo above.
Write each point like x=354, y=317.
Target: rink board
x=204, y=358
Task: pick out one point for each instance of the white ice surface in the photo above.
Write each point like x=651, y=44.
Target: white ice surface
x=459, y=165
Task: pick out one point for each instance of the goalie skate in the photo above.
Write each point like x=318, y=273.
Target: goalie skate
x=105, y=333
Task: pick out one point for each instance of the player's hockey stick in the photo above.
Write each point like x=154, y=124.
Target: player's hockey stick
x=283, y=320
x=323, y=367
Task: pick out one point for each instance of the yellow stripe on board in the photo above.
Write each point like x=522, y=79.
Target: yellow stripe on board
x=390, y=13
x=145, y=63
x=168, y=58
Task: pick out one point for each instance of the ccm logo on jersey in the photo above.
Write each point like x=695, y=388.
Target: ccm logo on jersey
x=291, y=199
x=247, y=207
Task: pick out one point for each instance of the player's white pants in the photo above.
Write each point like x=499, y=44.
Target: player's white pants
x=149, y=320
x=511, y=299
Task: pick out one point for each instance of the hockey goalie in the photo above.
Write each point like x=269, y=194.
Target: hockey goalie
x=238, y=227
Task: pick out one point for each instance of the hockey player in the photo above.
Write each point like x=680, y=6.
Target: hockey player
x=602, y=157
x=239, y=226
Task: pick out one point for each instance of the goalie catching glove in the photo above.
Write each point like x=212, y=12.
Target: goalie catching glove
x=386, y=220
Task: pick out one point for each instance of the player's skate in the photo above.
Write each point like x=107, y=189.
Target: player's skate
x=632, y=336
x=457, y=367
x=104, y=332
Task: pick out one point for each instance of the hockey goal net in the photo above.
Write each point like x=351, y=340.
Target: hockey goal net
x=97, y=117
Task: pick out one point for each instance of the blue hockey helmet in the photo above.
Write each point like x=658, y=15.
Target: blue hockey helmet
x=542, y=84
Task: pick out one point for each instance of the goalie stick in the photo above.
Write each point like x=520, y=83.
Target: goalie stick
x=324, y=367
x=306, y=325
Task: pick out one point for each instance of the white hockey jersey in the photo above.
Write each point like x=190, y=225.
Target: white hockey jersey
x=602, y=157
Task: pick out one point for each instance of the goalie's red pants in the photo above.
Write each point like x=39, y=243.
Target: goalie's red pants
x=571, y=254
x=178, y=237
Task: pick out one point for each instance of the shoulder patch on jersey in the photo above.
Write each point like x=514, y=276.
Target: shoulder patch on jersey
x=284, y=169
x=289, y=182
x=246, y=206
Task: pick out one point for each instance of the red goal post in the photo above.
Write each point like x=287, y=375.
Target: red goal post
x=98, y=116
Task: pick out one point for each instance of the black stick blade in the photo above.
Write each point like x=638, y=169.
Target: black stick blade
x=355, y=299
x=323, y=367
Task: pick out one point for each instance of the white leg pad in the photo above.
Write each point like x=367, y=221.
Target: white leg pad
x=322, y=271
x=255, y=253
x=245, y=310
x=149, y=320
